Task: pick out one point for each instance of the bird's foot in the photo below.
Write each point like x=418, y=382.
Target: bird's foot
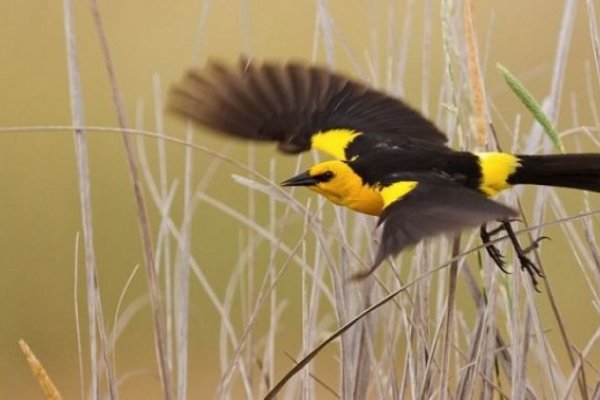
x=526, y=264
x=492, y=250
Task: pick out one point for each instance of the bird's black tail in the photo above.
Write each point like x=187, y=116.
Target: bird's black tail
x=576, y=171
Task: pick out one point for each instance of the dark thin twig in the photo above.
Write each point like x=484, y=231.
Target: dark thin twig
x=321, y=382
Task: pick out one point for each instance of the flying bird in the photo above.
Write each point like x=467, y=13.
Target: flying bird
x=388, y=159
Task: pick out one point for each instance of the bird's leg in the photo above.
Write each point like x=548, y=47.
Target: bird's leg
x=492, y=250
x=526, y=264
x=521, y=252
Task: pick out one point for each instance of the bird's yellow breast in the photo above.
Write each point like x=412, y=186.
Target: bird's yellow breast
x=365, y=200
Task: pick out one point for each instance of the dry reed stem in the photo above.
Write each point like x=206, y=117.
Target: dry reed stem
x=594, y=35
x=475, y=80
x=95, y=314
x=158, y=317
x=450, y=315
x=553, y=106
x=426, y=62
x=77, y=318
x=342, y=329
x=39, y=373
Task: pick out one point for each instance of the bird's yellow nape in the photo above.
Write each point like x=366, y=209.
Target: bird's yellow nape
x=345, y=188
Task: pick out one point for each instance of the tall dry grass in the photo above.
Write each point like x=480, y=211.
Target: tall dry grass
x=402, y=333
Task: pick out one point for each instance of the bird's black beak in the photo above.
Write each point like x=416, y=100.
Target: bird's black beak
x=304, y=179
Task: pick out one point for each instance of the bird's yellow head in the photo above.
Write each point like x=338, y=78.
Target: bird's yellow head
x=338, y=182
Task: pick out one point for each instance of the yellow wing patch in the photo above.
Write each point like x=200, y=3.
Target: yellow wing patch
x=334, y=141
x=496, y=168
x=396, y=191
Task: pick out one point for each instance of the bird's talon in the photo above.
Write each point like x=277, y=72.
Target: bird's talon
x=534, y=245
x=530, y=267
x=497, y=257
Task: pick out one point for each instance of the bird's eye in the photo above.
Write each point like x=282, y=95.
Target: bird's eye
x=325, y=176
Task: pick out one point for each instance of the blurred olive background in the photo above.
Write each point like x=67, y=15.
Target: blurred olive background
x=39, y=208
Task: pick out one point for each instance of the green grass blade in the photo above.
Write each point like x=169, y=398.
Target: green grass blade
x=532, y=105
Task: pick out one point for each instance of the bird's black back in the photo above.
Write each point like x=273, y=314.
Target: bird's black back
x=395, y=164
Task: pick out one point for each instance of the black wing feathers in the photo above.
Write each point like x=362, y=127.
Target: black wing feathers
x=290, y=102
x=432, y=209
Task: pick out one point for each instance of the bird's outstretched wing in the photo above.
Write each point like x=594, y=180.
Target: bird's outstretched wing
x=290, y=103
x=415, y=210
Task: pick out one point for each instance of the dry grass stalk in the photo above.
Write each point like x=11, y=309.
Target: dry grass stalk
x=95, y=315
x=39, y=373
x=158, y=315
x=423, y=345
x=475, y=80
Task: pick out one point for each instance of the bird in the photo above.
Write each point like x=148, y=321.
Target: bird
x=389, y=161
